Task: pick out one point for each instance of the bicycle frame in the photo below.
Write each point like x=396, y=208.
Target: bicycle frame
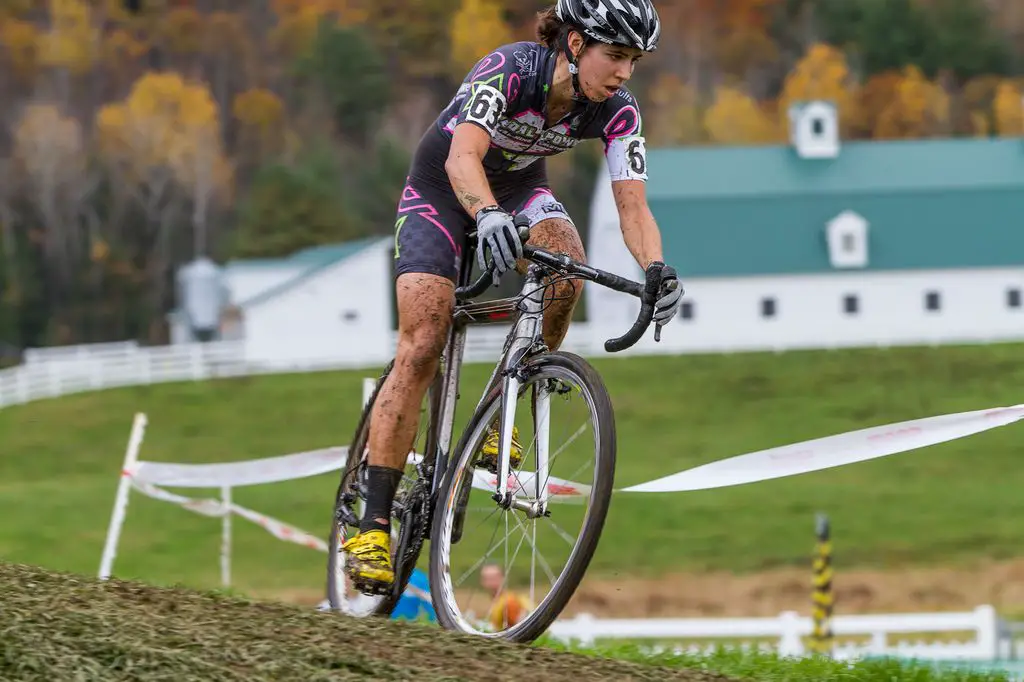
x=525, y=338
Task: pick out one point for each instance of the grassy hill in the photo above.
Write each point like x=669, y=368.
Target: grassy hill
x=945, y=504
x=61, y=627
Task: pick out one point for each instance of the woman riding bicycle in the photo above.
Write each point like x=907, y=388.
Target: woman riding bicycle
x=480, y=164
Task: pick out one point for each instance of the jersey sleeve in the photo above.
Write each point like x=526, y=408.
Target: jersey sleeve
x=492, y=88
x=625, y=148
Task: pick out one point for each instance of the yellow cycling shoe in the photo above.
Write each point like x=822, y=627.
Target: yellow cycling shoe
x=489, y=451
x=368, y=562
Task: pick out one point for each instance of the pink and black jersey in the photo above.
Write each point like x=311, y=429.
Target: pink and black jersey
x=506, y=94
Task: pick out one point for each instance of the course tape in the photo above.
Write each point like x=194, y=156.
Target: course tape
x=833, y=451
x=210, y=507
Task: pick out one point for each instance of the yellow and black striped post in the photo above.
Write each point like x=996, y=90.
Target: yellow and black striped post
x=822, y=599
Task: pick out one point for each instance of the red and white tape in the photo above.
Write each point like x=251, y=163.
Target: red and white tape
x=211, y=507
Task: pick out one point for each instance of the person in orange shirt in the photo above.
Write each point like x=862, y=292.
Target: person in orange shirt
x=507, y=607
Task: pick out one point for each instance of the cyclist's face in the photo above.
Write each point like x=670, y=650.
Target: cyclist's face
x=605, y=68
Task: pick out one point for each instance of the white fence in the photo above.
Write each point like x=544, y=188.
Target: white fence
x=53, y=372
x=855, y=635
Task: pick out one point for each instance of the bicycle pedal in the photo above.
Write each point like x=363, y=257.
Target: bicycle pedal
x=372, y=587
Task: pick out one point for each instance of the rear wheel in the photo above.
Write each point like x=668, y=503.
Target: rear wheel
x=406, y=517
x=528, y=560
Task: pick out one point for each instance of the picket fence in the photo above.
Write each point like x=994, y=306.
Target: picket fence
x=63, y=370
x=56, y=371
x=923, y=636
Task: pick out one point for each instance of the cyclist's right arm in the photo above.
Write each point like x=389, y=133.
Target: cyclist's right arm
x=489, y=91
x=465, y=167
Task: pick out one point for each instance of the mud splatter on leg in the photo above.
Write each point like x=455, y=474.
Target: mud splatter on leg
x=424, y=313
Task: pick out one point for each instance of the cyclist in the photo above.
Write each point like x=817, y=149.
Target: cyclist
x=480, y=163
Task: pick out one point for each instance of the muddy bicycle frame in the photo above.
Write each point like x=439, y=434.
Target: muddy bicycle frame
x=525, y=338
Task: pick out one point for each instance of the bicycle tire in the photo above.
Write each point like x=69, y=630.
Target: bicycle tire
x=601, y=493
x=402, y=569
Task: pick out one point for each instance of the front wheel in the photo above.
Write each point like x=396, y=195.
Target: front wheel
x=507, y=570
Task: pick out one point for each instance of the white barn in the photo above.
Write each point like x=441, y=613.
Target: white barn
x=818, y=244
x=323, y=302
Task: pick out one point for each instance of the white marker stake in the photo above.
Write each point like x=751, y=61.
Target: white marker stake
x=833, y=451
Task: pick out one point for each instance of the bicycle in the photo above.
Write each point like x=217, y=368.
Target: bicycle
x=434, y=497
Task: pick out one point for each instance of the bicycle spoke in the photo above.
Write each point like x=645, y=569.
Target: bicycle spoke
x=534, y=546
x=532, y=555
x=489, y=552
x=562, y=534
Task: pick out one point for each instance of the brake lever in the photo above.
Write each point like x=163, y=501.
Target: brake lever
x=669, y=286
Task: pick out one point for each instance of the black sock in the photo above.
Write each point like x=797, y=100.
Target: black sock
x=381, y=484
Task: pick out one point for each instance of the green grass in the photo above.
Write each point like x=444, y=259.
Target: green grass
x=60, y=626
x=946, y=504
x=769, y=667
x=773, y=668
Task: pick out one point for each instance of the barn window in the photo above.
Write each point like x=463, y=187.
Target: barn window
x=768, y=307
x=1013, y=298
x=686, y=311
x=851, y=304
x=932, y=300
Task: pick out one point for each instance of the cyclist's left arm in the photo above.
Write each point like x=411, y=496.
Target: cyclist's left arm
x=639, y=229
x=626, y=155
x=625, y=152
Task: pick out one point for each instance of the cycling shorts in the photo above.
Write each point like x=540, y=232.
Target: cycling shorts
x=432, y=226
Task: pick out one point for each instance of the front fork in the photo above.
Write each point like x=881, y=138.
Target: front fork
x=527, y=337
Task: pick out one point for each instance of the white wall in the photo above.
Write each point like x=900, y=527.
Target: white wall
x=607, y=251
x=309, y=321
x=809, y=308
x=809, y=311
x=246, y=280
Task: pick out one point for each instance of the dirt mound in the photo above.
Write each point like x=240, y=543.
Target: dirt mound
x=60, y=626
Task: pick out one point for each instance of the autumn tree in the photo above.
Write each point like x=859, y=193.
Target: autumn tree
x=919, y=108
x=72, y=43
x=822, y=74
x=299, y=20
x=736, y=118
x=415, y=36
x=260, y=114
x=1007, y=105
x=743, y=43
x=874, y=98
x=977, y=99
x=162, y=145
x=181, y=31
x=672, y=113
x=229, y=61
x=477, y=28
x=54, y=177
x=20, y=40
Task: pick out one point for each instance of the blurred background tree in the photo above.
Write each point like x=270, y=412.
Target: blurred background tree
x=142, y=133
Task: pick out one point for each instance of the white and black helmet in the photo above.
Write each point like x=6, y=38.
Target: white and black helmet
x=633, y=23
